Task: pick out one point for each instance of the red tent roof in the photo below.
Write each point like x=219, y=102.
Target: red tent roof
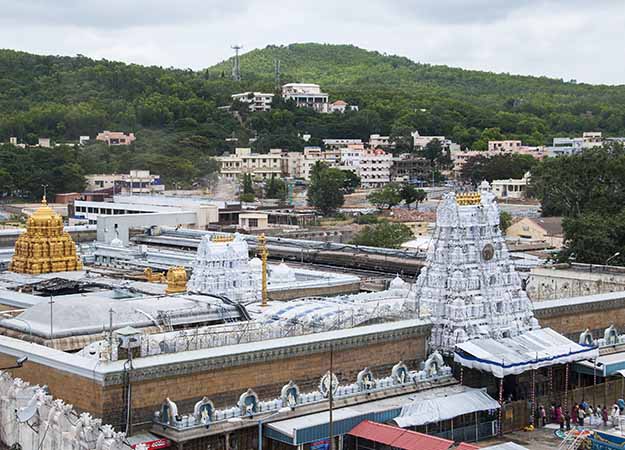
x=398, y=437
x=465, y=446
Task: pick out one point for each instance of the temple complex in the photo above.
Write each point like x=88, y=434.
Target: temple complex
x=45, y=246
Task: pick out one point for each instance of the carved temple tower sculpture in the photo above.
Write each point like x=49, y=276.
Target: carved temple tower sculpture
x=222, y=267
x=45, y=246
x=469, y=284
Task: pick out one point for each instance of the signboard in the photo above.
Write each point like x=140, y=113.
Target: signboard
x=324, y=444
x=155, y=445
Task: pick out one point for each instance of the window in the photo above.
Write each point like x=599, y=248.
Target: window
x=253, y=223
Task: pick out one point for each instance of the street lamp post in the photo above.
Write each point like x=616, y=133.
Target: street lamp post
x=616, y=255
x=19, y=362
x=262, y=420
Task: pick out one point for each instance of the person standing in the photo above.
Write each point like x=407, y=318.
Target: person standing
x=542, y=416
x=604, y=416
x=581, y=414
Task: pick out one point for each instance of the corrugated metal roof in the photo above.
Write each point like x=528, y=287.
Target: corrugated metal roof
x=399, y=438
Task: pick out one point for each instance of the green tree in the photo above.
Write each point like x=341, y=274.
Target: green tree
x=505, y=220
x=498, y=167
x=325, y=190
x=593, y=238
x=410, y=194
x=275, y=188
x=248, y=184
x=351, y=181
x=383, y=234
x=386, y=197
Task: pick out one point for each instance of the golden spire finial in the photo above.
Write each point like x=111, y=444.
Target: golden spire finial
x=44, y=199
x=262, y=250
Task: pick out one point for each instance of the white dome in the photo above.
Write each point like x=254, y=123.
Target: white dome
x=117, y=242
x=282, y=273
x=256, y=263
x=397, y=283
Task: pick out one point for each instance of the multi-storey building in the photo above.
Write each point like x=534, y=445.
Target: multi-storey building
x=375, y=168
x=419, y=142
x=243, y=161
x=570, y=146
x=257, y=101
x=135, y=182
x=504, y=146
x=378, y=141
x=306, y=95
x=340, y=143
x=409, y=168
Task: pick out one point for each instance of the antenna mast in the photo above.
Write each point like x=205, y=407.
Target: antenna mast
x=276, y=63
x=236, y=66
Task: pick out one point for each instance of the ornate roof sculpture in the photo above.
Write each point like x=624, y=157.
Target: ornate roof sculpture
x=45, y=246
x=469, y=284
x=222, y=267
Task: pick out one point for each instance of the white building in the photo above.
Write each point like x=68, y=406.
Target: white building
x=514, y=188
x=262, y=166
x=340, y=143
x=375, y=168
x=504, y=146
x=570, y=146
x=306, y=95
x=378, y=141
x=204, y=212
x=257, y=101
x=136, y=182
x=419, y=142
x=340, y=106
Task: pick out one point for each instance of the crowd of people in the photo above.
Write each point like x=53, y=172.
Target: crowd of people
x=581, y=414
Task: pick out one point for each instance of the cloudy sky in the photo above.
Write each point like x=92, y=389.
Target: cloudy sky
x=570, y=39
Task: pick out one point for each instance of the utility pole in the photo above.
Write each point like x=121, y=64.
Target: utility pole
x=262, y=250
x=330, y=396
x=236, y=66
x=51, y=323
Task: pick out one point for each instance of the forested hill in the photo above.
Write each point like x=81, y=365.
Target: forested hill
x=179, y=126
x=346, y=67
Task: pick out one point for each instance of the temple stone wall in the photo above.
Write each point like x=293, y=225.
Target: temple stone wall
x=224, y=381
x=574, y=317
x=549, y=283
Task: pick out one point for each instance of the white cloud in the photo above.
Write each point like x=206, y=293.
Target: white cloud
x=559, y=38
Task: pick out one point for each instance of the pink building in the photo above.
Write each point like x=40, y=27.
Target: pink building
x=116, y=137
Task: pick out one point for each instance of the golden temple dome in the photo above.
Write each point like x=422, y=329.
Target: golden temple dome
x=45, y=246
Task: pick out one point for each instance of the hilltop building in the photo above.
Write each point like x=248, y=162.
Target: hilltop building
x=306, y=95
x=115, y=137
x=257, y=101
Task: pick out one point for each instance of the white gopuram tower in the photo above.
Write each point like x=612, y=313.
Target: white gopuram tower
x=469, y=284
x=222, y=267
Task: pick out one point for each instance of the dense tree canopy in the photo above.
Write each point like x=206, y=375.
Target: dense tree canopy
x=588, y=189
x=383, y=234
x=325, y=190
x=498, y=167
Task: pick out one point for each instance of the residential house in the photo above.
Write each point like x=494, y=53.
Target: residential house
x=257, y=101
x=306, y=95
x=511, y=188
x=115, y=137
x=544, y=229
